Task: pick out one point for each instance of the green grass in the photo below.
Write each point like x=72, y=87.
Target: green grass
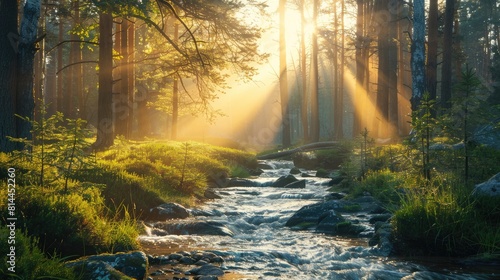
x=436, y=217
x=99, y=211
x=383, y=185
x=31, y=263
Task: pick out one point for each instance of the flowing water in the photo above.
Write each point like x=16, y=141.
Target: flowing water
x=263, y=248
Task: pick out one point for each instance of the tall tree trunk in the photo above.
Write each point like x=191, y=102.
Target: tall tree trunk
x=402, y=122
x=25, y=102
x=124, y=83
x=105, y=135
x=418, y=53
x=360, y=93
x=8, y=83
x=131, y=73
x=60, y=65
x=175, y=90
x=71, y=95
x=284, y=95
x=303, y=68
x=339, y=108
x=118, y=106
x=315, y=129
x=387, y=79
x=39, y=68
x=446, y=71
x=78, y=71
x=335, y=78
x=50, y=87
x=432, y=49
x=392, y=75
x=458, y=55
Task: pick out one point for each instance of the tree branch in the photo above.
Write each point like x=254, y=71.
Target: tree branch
x=76, y=63
x=71, y=41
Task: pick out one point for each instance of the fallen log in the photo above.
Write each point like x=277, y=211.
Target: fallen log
x=304, y=148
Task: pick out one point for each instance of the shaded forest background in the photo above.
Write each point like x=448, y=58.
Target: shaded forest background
x=142, y=68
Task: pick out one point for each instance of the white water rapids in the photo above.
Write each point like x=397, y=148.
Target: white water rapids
x=263, y=248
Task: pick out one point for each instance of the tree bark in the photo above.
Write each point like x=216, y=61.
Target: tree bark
x=339, y=108
x=315, y=128
x=446, y=68
x=284, y=95
x=387, y=76
x=8, y=83
x=175, y=91
x=105, y=135
x=335, y=78
x=124, y=83
x=432, y=49
x=78, y=71
x=303, y=68
x=60, y=65
x=131, y=78
x=25, y=102
x=418, y=54
x=360, y=93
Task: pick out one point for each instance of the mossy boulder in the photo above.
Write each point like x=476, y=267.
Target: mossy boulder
x=131, y=265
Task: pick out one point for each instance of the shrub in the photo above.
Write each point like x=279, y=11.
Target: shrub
x=31, y=263
x=71, y=224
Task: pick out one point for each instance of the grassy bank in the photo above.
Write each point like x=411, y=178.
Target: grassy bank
x=436, y=215
x=88, y=203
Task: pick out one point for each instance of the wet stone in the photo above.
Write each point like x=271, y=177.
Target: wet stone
x=207, y=269
x=201, y=262
x=158, y=273
x=175, y=256
x=206, y=277
x=187, y=260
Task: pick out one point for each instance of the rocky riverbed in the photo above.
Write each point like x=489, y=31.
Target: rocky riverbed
x=279, y=227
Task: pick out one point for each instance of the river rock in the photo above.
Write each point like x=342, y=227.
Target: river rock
x=194, y=227
x=294, y=171
x=187, y=260
x=265, y=166
x=382, y=239
x=206, y=277
x=255, y=172
x=113, y=266
x=211, y=194
x=328, y=222
x=208, y=269
x=240, y=182
x=284, y=180
x=203, y=213
x=301, y=184
x=310, y=214
x=167, y=211
x=488, y=188
x=335, y=196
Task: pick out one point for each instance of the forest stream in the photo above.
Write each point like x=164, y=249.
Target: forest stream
x=260, y=246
